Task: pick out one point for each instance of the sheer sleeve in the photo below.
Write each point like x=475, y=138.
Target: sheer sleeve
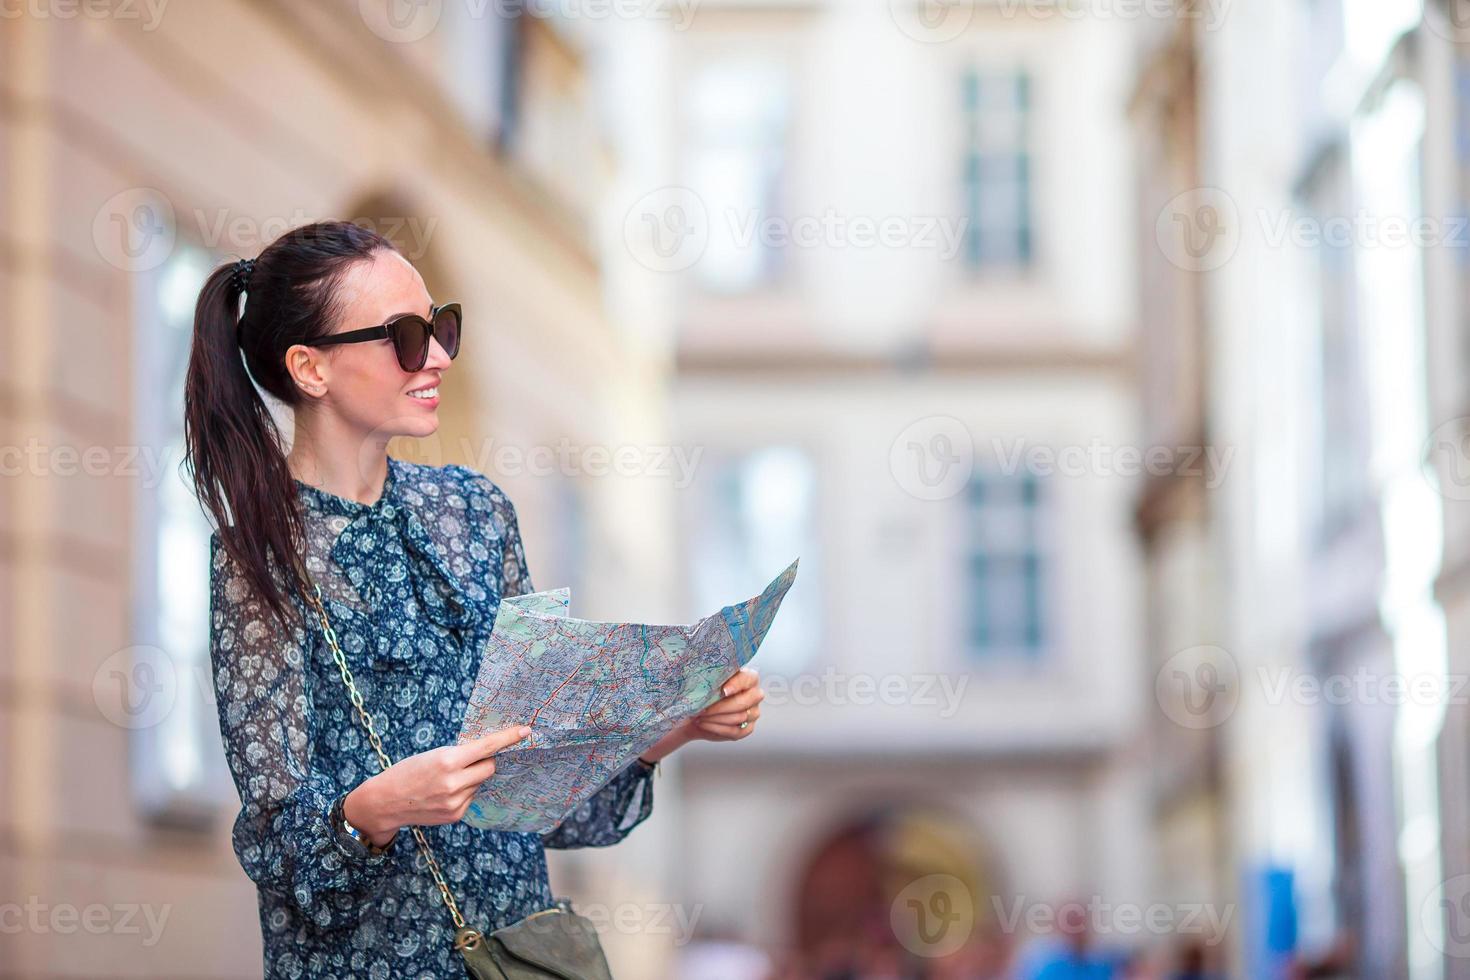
x=494, y=517
x=610, y=813
x=283, y=834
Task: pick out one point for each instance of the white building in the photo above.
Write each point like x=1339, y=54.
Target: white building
x=903, y=283
x=1305, y=246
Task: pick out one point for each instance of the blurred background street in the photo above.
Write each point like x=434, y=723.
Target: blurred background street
x=1104, y=361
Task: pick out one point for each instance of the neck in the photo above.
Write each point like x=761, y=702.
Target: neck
x=341, y=462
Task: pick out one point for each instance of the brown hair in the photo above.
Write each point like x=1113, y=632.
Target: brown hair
x=233, y=448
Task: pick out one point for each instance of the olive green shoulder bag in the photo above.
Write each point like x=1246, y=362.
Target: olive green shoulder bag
x=553, y=943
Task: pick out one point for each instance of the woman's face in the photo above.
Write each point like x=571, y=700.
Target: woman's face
x=363, y=384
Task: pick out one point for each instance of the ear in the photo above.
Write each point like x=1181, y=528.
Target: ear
x=309, y=370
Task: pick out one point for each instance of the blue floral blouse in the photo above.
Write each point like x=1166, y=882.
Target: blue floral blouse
x=411, y=584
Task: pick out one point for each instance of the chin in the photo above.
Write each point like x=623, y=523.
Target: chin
x=418, y=428
x=408, y=426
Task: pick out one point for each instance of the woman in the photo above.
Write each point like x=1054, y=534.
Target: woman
x=412, y=562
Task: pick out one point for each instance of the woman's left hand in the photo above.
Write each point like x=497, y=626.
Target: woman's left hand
x=734, y=715
x=740, y=701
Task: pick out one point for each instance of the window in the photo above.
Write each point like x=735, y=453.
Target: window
x=479, y=64
x=178, y=771
x=1007, y=552
x=1342, y=425
x=738, y=116
x=756, y=511
x=997, y=170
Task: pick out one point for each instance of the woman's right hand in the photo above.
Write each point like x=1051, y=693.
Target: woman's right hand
x=433, y=787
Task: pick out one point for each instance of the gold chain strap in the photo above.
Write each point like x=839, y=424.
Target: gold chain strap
x=367, y=722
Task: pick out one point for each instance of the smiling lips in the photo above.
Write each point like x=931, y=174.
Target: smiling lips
x=425, y=394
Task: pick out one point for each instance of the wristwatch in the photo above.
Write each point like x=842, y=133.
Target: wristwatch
x=349, y=836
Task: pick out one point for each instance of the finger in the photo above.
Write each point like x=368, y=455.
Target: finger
x=743, y=678
x=477, y=773
x=487, y=745
x=727, y=731
x=463, y=801
x=728, y=718
x=748, y=698
x=731, y=717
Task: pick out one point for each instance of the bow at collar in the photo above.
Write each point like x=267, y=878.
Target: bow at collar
x=390, y=526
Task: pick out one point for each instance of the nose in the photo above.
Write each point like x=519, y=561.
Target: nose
x=437, y=358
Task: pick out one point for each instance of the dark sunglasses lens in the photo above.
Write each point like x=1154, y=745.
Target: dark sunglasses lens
x=411, y=341
x=446, y=331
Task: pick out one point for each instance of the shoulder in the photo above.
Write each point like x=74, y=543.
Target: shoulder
x=456, y=488
x=220, y=560
x=228, y=575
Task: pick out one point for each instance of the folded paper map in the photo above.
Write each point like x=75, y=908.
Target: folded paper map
x=596, y=696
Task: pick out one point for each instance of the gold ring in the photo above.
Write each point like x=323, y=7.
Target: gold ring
x=746, y=723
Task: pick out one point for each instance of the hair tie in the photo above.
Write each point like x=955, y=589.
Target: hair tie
x=241, y=276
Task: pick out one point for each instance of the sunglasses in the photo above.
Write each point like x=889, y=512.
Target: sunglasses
x=410, y=334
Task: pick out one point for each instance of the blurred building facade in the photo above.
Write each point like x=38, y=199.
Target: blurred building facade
x=1442, y=59
x=1124, y=451
x=1301, y=168
x=905, y=317
x=139, y=147
x=1175, y=504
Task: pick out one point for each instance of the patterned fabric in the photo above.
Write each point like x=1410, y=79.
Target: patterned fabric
x=411, y=584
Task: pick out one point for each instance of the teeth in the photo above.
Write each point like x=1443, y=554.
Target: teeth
x=425, y=392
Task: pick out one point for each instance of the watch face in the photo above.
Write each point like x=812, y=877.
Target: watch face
x=339, y=822
x=345, y=830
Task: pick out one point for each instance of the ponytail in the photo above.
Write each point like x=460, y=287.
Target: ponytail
x=234, y=450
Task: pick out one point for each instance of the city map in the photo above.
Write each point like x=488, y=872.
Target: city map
x=595, y=694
